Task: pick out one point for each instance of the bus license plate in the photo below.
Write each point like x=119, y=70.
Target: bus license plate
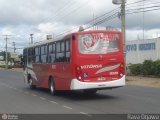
x=101, y=78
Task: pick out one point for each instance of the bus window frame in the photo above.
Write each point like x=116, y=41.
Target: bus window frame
x=43, y=52
x=53, y=51
x=67, y=50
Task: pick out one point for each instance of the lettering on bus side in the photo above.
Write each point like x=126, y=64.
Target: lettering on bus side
x=91, y=66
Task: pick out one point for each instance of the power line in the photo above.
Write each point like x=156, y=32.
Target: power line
x=61, y=11
x=103, y=18
x=143, y=11
x=57, y=13
x=144, y=4
x=100, y=19
x=64, y=16
x=142, y=8
x=136, y=2
x=104, y=15
x=72, y=11
x=111, y=17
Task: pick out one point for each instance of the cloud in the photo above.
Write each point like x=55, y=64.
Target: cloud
x=46, y=28
x=41, y=17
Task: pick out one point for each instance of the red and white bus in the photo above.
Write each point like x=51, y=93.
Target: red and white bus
x=87, y=60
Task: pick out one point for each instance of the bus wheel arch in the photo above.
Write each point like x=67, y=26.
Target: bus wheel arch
x=30, y=81
x=52, y=86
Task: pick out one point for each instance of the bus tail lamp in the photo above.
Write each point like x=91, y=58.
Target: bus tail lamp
x=78, y=73
x=121, y=70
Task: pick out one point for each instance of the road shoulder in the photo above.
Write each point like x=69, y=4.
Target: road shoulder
x=143, y=81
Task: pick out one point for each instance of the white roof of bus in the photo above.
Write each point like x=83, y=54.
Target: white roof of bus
x=43, y=42
x=60, y=38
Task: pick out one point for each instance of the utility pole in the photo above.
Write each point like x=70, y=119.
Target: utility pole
x=31, y=35
x=14, y=47
x=123, y=24
x=6, y=38
x=143, y=20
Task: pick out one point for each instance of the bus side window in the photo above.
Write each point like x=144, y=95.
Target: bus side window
x=37, y=57
x=67, y=50
x=44, y=54
x=62, y=51
x=30, y=55
x=59, y=52
x=51, y=53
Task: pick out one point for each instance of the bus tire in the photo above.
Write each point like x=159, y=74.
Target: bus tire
x=52, y=87
x=30, y=82
x=89, y=92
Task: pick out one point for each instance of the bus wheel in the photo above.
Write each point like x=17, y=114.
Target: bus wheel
x=90, y=92
x=52, y=87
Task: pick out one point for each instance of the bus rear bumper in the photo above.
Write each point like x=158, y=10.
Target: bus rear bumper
x=78, y=85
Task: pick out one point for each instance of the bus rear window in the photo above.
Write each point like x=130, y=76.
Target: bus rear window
x=98, y=43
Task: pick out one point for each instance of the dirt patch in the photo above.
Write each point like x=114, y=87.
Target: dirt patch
x=143, y=81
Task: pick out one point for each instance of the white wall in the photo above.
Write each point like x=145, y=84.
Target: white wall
x=140, y=50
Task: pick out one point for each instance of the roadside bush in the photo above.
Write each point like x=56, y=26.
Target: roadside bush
x=156, y=65
x=135, y=69
x=4, y=66
x=148, y=67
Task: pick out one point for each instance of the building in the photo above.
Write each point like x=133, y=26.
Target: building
x=139, y=50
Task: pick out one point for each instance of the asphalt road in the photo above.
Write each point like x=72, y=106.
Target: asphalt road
x=16, y=97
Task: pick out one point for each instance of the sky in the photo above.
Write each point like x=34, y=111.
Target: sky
x=20, y=18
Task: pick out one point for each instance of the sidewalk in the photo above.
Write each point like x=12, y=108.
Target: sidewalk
x=13, y=69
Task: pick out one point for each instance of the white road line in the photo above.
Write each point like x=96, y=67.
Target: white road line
x=42, y=98
x=67, y=107
x=86, y=114
x=54, y=102
x=34, y=95
x=15, y=88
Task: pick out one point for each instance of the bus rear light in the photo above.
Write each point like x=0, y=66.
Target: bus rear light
x=121, y=70
x=122, y=66
x=78, y=72
x=79, y=77
x=78, y=68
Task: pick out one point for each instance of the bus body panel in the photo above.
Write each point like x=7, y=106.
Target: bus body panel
x=78, y=85
x=83, y=71
x=97, y=69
